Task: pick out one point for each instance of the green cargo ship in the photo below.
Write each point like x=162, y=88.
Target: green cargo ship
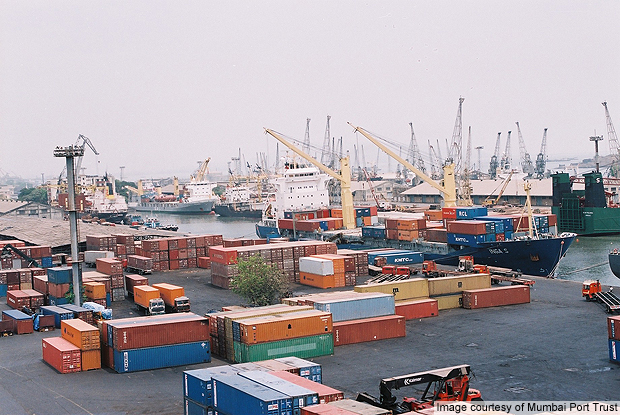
x=584, y=212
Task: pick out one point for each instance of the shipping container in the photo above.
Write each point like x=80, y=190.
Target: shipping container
x=169, y=292
x=325, y=393
x=304, y=347
x=360, y=408
x=304, y=368
x=22, y=322
x=362, y=305
x=377, y=232
x=157, y=357
x=90, y=257
x=317, y=266
x=78, y=332
x=198, y=384
x=299, y=395
x=369, y=329
x=324, y=409
x=237, y=395
x=449, y=301
x=613, y=327
x=143, y=294
x=82, y=313
x=91, y=359
x=414, y=309
x=60, y=275
x=402, y=290
x=614, y=350
x=496, y=296
x=17, y=299
x=271, y=365
x=61, y=355
x=36, y=299
x=285, y=326
x=193, y=408
x=458, y=283
x=58, y=290
x=319, y=281
x=470, y=212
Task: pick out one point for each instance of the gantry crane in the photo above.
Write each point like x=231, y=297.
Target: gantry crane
x=414, y=156
x=435, y=165
x=506, y=162
x=456, y=148
x=448, y=190
x=494, y=164
x=326, y=151
x=614, y=147
x=306, y=146
x=348, y=213
x=526, y=162
x=541, y=158
x=202, y=171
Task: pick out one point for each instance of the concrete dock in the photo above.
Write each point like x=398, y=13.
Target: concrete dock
x=554, y=348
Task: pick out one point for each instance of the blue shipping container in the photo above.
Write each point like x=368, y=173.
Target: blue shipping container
x=404, y=258
x=46, y=262
x=15, y=315
x=614, y=349
x=373, y=254
x=60, y=275
x=236, y=395
x=358, y=307
x=74, y=308
x=301, y=396
x=3, y=290
x=57, y=312
x=57, y=301
x=198, y=386
x=506, y=222
x=134, y=360
x=377, y=232
x=193, y=408
x=470, y=212
x=307, y=369
x=463, y=239
x=508, y=235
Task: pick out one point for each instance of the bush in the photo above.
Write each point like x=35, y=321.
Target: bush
x=259, y=283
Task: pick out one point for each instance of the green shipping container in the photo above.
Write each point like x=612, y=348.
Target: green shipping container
x=303, y=347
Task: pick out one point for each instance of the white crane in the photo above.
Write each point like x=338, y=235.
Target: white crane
x=541, y=158
x=506, y=162
x=494, y=164
x=526, y=162
x=614, y=147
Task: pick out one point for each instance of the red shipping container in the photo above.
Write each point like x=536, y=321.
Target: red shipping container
x=326, y=393
x=391, y=234
x=173, y=243
x=223, y=255
x=36, y=299
x=17, y=299
x=467, y=227
x=173, y=264
x=40, y=284
x=151, y=331
x=173, y=254
x=448, y=212
x=613, y=327
x=221, y=281
x=62, y=355
x=500, y=237
x=204, y=262
x=498, y=296
x=109, y=266
x=58, y=290
x=414, y=309
x=410, y=224
x=200, y=241
x=368, y=329
x=182, y=243
x=183, y=253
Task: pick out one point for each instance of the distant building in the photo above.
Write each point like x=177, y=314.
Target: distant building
x=31, y=209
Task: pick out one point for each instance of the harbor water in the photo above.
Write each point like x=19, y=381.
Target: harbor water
x=586, y=258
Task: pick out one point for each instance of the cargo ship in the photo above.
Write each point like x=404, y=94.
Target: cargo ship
x=614, y=262
x=301, y=211
x=239, y=202
x=589, y=212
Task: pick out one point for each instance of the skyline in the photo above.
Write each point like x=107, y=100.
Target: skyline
x=158, y=86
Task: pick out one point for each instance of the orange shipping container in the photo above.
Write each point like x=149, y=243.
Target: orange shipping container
x=169, y=292
x=94, y=290
x=414, y=309
x=369, y=329
x=314, y=280
x=285, y=326
x=204, y=262
x=109, y=266
x=80, y=333
x=410, y=224
x=433, y=215
x=336, y=213
x=91, y=359
x=143, y=294
x=367, y=220
x=61, y=355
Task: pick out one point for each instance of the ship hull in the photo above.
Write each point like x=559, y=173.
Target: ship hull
x=588, y=221
x=237, y=210
x=181, y=208
x=614, y=263
x=112, y=217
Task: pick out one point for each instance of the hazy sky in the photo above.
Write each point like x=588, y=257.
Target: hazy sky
x=159, y=85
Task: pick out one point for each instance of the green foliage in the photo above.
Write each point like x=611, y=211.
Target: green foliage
x=70, y=295
x=219, y=190
x=122, y=190
x=33, y=194
x=259, y=283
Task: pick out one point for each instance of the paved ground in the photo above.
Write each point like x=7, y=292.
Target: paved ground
x=552, y=349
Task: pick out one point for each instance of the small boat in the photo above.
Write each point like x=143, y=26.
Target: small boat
x=154, y=223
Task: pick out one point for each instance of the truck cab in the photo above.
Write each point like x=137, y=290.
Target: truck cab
x=181, y=305
x=590, y=288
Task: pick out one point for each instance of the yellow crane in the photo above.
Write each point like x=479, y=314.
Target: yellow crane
x=448, y=189
x=348, y=213
x=490, y=202
x=202, y=171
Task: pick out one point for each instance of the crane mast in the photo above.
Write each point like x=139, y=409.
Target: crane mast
x=456, y=148
x=348, y=213
x=449, y=187
x=506, y=163
x=614, y=147
x=526, y=161
x=494, y=164
x=326, y=151
x=465, y=182
x=435, y=166
x=541, y=158
x=306, y=146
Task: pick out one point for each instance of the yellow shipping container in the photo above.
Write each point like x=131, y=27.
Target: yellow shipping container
x=94, y=290
x=457, y=284
x=80, y=334
x=169, y=292
x=446, y=302
x=143, y=294
x=402, y=290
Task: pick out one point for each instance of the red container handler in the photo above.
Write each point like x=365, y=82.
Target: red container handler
x=414, y=309
x=498, y=296
x=368, y=329
x=326, y=393
x=62, y=355
x=151, y=331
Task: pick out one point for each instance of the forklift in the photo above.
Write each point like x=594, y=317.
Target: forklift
x=446, y=384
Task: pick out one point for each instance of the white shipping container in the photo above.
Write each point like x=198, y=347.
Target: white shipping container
x=90, y=257
x=316, y=266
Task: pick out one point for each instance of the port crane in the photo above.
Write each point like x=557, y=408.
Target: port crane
x=494, y=164
x=465, y=177
x=489, y=201
x=448, y=190
x=348, y=213
x=541, y=158
x=415, y=157
x=506, y=162
x=526, y=161
x=435, y=165
x=614, y=147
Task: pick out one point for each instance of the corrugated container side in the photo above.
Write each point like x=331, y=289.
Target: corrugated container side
x=402, y=290
x=58, y=313
x=326, y=393
x=446, y=302
x=496, y=296
x=356, y=308
x=198, y=384
x=450, y=285
x=80, y=334
x=370, y=329
x=360, y=408
x=299, y=395
x=317, y=280
x=304, y=347
x=158, y=357
x=285, y=326
x=91, y=359
x=304, y=368
x=61, y=355
x=414, y=309
x=237, y=395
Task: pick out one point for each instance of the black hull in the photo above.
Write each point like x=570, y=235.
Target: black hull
x=614, y=263
x=117, y=218
x=238, y=212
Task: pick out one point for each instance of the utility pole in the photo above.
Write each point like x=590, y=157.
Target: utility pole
x=70, y=153
x=122, y=169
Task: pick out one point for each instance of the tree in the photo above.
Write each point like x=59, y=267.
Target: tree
x=258, y=282
x=33, y=194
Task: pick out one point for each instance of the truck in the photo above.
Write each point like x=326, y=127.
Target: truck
x=593, y=291
x=90, y=257
x=174, y=297
x=148, y=300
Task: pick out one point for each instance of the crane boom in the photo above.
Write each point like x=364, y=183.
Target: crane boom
x=448, y=189
x=614, y=146
x=348, y=213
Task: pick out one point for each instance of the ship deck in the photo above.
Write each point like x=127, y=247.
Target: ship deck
x=554, y=348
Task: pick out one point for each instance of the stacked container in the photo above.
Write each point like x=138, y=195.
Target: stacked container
x=86, y=338
x=101, y=278
x=613, y=334
x=139, y=264
x=114, y=268
x=59, y=281
x=153, y=342
x=405, y=229
x=81, y=313
x=132, y=280
x=62, y=355
x=58, y=313
x=448, y=291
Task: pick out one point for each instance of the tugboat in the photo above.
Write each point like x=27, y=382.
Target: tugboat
x=154, y=223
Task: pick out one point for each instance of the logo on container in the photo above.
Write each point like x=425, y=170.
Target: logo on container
x=272, y=407
x=126, y=360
